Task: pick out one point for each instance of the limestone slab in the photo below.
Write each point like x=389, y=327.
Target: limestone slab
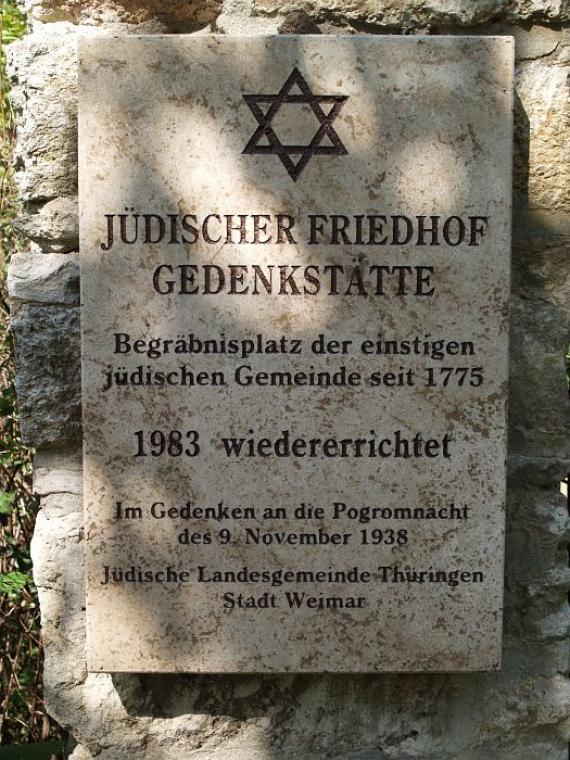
x=295, y=277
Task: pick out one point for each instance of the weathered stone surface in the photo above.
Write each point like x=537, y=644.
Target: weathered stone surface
x=173, y=16
x=531, y=42
x=43, y=72
x=547, y=11
x=236, y=19
x=44, y=278
x=298, y=23
x=48, y=378
x=538, y=406
x=58, y=471
x=539, y=410
x=407, y=15
x=538, y=589
x=537, y=470
x=542, y=120
x=55, y=227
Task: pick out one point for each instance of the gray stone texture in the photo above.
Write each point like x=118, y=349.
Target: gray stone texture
x=37, y=278
x=521, y=712
x=48, y=379
x=400, y=15
x=173, y=16
x=55, y=228
x=44, y=70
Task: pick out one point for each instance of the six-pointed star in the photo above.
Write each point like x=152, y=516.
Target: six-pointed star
x=284, y=152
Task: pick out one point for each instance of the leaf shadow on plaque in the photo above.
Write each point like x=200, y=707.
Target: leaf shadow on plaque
x=303, y=710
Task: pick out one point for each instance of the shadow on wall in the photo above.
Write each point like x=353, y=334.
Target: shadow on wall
x=379, y=715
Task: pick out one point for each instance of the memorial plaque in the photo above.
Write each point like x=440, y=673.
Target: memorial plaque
x=294, y=275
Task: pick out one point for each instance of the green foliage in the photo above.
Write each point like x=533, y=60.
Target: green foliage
x=7, y=502
x=13, y=583
x=13, y=23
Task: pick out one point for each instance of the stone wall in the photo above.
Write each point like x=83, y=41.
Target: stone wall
x=521, y=712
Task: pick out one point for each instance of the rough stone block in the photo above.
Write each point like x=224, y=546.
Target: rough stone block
x=430, y=14
x=48, y=377
x=174, y=15
x=539, y=409
x=542, y=118
x=58, y=471
x=55, y=228
x=44, y=278
x=531, y=42
x=43, y=70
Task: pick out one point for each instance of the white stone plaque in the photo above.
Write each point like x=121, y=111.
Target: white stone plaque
x=294, y=276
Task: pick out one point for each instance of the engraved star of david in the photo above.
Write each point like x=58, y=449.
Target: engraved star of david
x=324, y=116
